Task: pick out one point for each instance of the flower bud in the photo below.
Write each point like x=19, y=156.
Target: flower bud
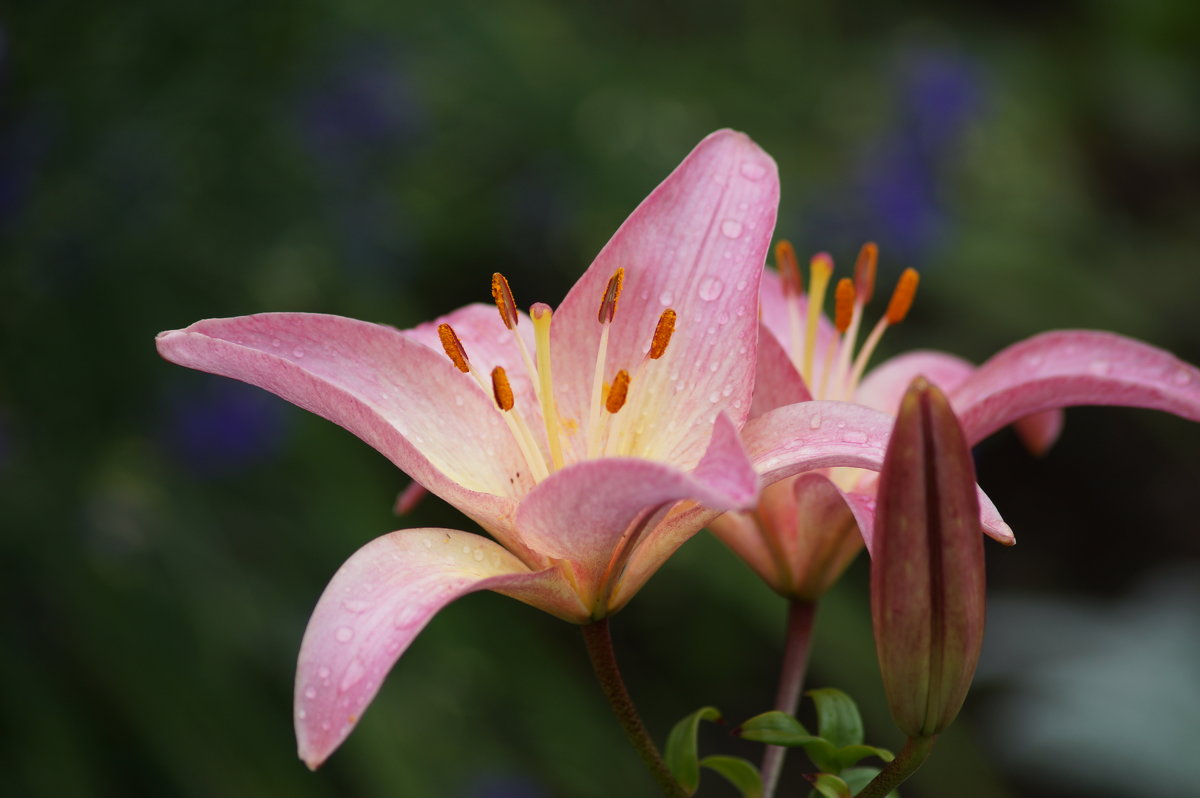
x=927, y=574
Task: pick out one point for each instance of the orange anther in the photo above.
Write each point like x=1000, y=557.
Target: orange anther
x=504, y=300
x=612, y=292
x=789, y=268
x=843, y=304
x=617, y=392
x=453, y=346
x=501, y=389
x=662, y=334
x=902, y=297
x=864, y=271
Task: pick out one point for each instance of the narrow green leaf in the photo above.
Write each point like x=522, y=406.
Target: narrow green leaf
x=738, y=772
x=830, y=785
x=850, y=755
x=857, y=778
x=680, y=755
x=838, y=720
x=775, y=728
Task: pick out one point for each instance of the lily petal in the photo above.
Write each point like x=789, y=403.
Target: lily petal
x=1074, y=367
x=580, y=513
x=776, y=316
x=824, y=434
x=776, y=382
x=885, y=385
x=379, y=601
x=696, y=244
x=381, y=385
x=1040, y=431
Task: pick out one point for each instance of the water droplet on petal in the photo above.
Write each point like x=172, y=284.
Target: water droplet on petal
x=297, y=352
x=713, y=397
x=301, y=714
x=741, y=285
x=752, y=170
x=477, y=555
x=428, y=543
x=728, y=389
x=355, y=606
x=344, y=635
x=722, y=318
x=714, y=367
x=731, y=228
x=1099, y=368
x=323, y=672
x=1181, y=377
x=353, y=674
x=815, y=422
x=310, y=693
x=711, y=288
x=855, y=436
x=666, y=297
x=276, y=343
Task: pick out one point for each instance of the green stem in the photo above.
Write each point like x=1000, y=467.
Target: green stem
x=604, y=662
x=791, y=682
x=916, y=750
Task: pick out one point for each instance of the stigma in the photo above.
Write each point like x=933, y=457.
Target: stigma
x=833, y=369
x=615, y=411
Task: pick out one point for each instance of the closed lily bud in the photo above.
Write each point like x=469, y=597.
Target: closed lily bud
x=927, y=575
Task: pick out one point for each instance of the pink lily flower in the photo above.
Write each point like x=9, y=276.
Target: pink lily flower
x=590, y=442
x=807, y=529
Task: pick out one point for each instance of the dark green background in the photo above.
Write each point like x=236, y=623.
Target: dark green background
x=165, y=533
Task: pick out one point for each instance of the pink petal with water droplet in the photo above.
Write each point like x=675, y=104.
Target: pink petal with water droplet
x=377, y=603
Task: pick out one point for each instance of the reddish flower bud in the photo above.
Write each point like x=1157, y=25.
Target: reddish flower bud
x=927, y=575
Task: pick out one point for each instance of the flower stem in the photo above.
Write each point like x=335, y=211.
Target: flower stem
x=791, y=682
x=916, y=750
x=604, y=662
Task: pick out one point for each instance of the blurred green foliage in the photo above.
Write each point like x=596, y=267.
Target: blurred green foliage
x=165, y=534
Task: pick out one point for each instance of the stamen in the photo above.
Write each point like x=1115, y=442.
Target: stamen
x=502, y=294
x=864, y=272
x=844, y=304
x=501, y=390
x=454, y=348
x=662, y=334
x=612, y=292
x=902, y=297
x=821, y=268
x=618, y=392
x=540, y=314
x=898, y=307
x=789, y=268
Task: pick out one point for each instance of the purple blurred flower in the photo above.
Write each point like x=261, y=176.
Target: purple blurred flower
x=222, y=427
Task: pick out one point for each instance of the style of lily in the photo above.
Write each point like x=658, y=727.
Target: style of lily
x=590, y=441
x=808, y=528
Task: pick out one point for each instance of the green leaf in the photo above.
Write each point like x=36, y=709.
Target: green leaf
x=680, y=755
x=776, y=728
x=838, y=720
x=850, y=755
x=830, y=785
x=738, y=772
x=857, y=778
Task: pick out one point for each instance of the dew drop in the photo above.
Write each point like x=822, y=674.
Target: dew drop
x=1181, y=377
x=310, y=693
x=714, y=367
x=731, y=228
x=855, y=436
x=741, y=312
x=1099, y=368
x=404, y=617
x=815, y=422
x=301, y=714
x=276, y=343
x=297, y=352
x=325, y=726
x=741, y=285
x=353, y=675
x=428, y=543
x=737, y=404
x=344, y=634
x=355, y=606
x=728, y=389
x=477, y=555
x=713, y=397
x=666, y=297
x=458, y=399
x=753, y=171
x=323, y=672
x=722, y=318
x=711, y=288
x=466, y=548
